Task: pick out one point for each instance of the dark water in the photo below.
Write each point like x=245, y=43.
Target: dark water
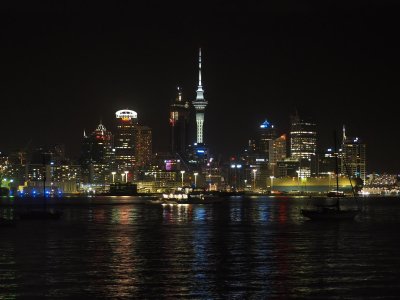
x=246, y=248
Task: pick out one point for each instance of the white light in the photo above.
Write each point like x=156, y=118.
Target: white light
x=126, y=113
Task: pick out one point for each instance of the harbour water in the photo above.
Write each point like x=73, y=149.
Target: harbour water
x=243, y=248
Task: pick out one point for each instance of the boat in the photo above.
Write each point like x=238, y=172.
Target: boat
x=328, y=211
x=189, y=197
x=204, y=198
x=176, y=197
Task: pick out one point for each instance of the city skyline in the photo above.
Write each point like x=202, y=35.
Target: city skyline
x=63, y=78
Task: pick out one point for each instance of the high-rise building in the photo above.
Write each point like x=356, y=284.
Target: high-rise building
x=124, y=141
x=267, y=134
x=353, y=161
x=200, y=105
x=303, y=145
x=179, y=124
x=97, y=156
x=303, y=138
x=327, y=162
x=97, y=147
x=143, y=146
x=277, y=152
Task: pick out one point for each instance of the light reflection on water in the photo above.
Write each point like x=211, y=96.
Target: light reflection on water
x=244, y=248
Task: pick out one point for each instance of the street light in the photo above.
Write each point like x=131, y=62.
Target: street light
x=254, y=179
x=113, y=176
x=182, y=172
x=329, y=181
x=122, y=175
x=195, y=179
x=272, y=182
x=126, y=176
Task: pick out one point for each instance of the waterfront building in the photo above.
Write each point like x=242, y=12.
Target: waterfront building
x=289, y=167
x=49, y=170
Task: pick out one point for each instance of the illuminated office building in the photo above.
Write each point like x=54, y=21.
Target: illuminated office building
x=303, y=145
x=124, y=141
x=303, y=138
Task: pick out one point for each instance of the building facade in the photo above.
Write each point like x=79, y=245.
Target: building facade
x=179, y=126
x=143, y=146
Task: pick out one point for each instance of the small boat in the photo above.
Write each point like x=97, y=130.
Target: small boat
x=332, y=212
x=329, y=213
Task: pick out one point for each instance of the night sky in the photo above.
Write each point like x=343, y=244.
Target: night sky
x=65, y=67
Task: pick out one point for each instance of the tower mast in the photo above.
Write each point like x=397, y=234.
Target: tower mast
x=200, y=105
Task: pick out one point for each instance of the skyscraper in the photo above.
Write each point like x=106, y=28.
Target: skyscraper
x=303, y=138
x=277, y=152
x=303, y=144
x=353, y=157
x=124, y=141
x=179, y=124
x=143, y=145
x=97, y=156
x=200, y=105
x=267, y=134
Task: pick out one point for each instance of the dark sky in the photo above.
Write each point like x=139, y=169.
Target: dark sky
x=66, y=66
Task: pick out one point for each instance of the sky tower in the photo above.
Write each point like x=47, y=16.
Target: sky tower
x=200, y=105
